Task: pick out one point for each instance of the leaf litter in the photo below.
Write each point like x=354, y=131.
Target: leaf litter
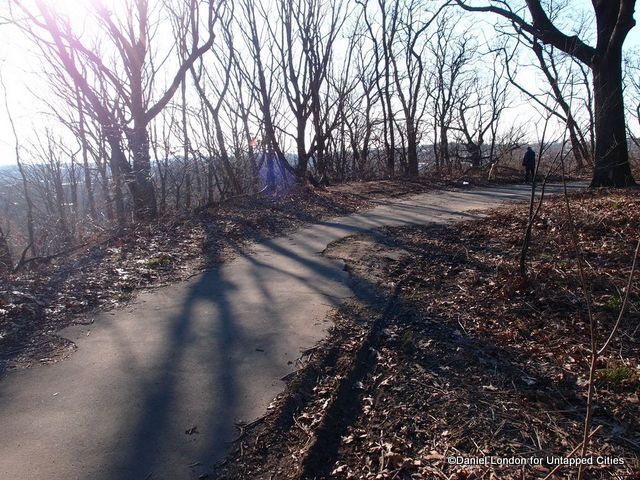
x=448, y=352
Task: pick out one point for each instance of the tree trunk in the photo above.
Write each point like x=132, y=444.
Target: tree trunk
x=186, y=144
x=29, y=202
x=303, y=159
x=445, y=156
x=101, y=163
x=579, y=152
x=271, y=172
x=144, y=198
x=390, y=146
x=412, y=150
x=255, y=174
x=210, y=177
x=224, y=155
x=60, y=203
x=91, y=202
x=118, y=163
x=475, y=152
x=6, y=263
x=612, y=167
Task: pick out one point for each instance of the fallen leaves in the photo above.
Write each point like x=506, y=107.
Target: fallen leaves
x=476, y=362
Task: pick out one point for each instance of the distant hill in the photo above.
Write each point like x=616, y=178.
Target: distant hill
x=8, y=174
x=8, y=169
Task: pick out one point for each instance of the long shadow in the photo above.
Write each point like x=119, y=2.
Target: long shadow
x=146, y=434
x=145, y=437
x=35, y=324
x=458, y=358
x=204, y=339
x=363, y=288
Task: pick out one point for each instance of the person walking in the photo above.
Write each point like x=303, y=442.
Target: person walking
x=529, y=163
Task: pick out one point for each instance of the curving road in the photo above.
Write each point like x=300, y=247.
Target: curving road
x=153, y=390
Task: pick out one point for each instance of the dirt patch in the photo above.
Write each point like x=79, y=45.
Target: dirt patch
x=448, y=353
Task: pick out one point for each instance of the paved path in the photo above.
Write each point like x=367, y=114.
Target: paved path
x=200, y=354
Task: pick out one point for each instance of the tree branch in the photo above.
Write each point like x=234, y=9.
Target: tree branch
x=541, y=27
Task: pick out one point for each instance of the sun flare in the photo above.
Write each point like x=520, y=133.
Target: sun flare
x=83, y=15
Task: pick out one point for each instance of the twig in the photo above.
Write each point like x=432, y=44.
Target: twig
x=592, y=325
x=22, y=257
x=623, y=308
x=48, y=258
x=229, y=199
x=533, y=215
x=571, y=454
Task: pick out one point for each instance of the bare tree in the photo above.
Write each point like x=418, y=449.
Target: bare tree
x=614, y=19
x=121, y=103
x=480, y=106
x=263, y=85
x=452, y=53
x=304, y=38
x=214, y=104
x=25, y=184
x=409, y=78
x=548, y=64
x=358, y=114
x=382, y=41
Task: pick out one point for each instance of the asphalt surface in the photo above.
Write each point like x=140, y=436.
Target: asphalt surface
x=154, y=390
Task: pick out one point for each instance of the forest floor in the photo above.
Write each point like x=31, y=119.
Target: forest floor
x=51, y=293
x=447, y=352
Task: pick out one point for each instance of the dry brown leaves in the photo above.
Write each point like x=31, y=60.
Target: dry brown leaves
x=477, y=362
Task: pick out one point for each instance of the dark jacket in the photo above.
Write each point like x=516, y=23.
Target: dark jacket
x=529, y=159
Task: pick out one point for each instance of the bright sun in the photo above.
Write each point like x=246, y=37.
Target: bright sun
x=75, y=10
x=81, y=12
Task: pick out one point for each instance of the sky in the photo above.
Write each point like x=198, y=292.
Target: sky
x=21, y=69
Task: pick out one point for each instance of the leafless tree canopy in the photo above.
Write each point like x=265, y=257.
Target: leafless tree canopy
x=166, y=106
